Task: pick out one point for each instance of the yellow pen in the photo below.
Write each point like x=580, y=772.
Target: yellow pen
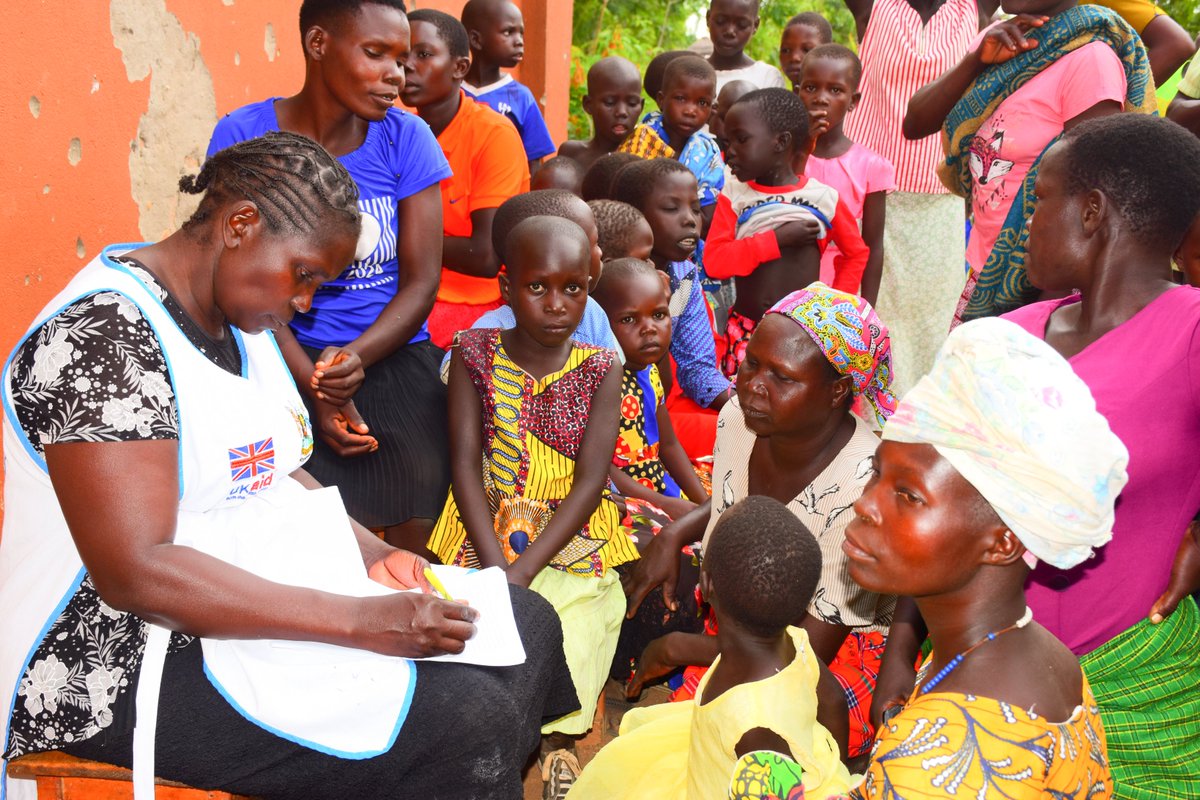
x=437, y=585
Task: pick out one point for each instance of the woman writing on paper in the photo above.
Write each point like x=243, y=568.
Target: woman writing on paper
x=156, y=368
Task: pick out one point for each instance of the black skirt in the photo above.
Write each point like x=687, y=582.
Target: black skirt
x=403, y=402
x=468, y=734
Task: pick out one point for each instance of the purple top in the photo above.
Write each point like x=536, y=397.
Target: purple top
x=1145, y=376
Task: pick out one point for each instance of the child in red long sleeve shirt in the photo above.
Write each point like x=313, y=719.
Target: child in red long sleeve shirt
x=770, y=226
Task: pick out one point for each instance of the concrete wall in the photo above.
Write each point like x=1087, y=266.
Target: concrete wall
x=106, y=103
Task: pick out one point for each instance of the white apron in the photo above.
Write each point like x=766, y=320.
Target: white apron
x=240, y=438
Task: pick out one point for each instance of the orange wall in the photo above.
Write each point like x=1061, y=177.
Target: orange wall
x=102, y=111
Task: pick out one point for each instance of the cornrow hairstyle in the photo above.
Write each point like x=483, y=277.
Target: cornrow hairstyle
x=449, y=29
x=618, y=273
x=1122, y=156
x=540, y=232
x=689, y=66
x=764, y=565
x=327, y=13
x=811, y=19
x=635, y=182
x=837, y=52
x=615, y=223
x=782, y=112
x=296, y=184
x=539, y=203
x=598, y=180
x=652, y=81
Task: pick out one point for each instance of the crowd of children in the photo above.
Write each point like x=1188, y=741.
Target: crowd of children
x=638, y=335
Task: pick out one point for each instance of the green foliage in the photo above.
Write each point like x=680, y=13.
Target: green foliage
x=1185, y=12
x=641, y=29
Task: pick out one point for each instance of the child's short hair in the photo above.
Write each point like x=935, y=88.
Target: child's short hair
x=811, y=19
x=689, y=66
x=837, y=52
x=477, y=13
x=324, y=12
x=616, y=274
x=449, y=29
x=544, y=229
x=541, y=203
x=567, y=168
x=615, y=223
x=598, y=180
x=634, y=183
x=764, y=565
x=652, y=81
x=781, y=110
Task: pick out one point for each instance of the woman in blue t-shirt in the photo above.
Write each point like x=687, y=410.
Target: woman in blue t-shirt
x=362, y=356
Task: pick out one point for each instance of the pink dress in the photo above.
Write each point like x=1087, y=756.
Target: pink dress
x=1145, y=376
x=855, y=174
x=1017, y=133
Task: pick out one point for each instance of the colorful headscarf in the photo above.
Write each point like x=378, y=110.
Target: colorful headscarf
x=1016, y=421
x=853, y=338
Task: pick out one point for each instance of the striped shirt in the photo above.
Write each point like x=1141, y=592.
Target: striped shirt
x=899, y=56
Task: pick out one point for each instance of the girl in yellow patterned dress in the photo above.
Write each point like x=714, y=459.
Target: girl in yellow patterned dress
x=538, y=411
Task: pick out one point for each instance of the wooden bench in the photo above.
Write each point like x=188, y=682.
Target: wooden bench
x=63, y=777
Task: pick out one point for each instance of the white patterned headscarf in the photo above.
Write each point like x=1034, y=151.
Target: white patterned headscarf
x=1010, y=414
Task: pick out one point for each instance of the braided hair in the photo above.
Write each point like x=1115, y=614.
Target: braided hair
x=297, y=186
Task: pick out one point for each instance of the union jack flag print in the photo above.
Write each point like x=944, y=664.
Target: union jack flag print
x=252, y=460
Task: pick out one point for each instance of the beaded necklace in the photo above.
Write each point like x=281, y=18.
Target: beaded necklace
x=1025, y=619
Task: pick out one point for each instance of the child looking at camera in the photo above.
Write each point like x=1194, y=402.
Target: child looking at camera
x=771, y=225
x=649, y=463
x=803, y=33
x=828, y=86
x=539, y=412
x=731, y=26
x=754, y=715
x=614, y=102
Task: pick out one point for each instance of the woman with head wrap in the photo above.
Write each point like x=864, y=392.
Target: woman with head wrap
x=791, y=434
x=1111, y=211
x=995, y=460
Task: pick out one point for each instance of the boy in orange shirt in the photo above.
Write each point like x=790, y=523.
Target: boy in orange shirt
x=488, y=160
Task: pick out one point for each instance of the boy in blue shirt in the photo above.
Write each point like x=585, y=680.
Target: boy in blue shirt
x=497, y=33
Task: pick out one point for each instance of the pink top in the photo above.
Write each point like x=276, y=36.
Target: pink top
x=855, y=174
x=900, y=55
x=1145, y=376
x=1018, y=131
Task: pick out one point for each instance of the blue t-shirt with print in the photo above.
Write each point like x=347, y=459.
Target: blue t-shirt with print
x=510, y=97
x=399, y=157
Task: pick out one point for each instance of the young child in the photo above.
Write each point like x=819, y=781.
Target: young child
x=802, y=33
x=559, y=173
x=598, y=180
x=487, y=159
x=622, y=230
x=731, y=25
x=539, y=411
x=649, y=463
x=829, y=88
x=729, y=94
x=686, y=99
x=770, y=225
x=652, y=80
x=614, y=102
x=759, y=573
x=665, y=192
x=593, y=328
x=497, y=35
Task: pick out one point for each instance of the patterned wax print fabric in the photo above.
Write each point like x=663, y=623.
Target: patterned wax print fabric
x=637, y=453
x=692, y=345
x=999, y=284
x=1010, y=414
x=853, y=339
x=765, y=773
x=738, y=330
x=945, y=744
x=532, y=430
x=700, y=154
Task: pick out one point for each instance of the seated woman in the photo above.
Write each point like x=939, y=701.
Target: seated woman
x=790, y=433
x=160, y=534
x=996, y=460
